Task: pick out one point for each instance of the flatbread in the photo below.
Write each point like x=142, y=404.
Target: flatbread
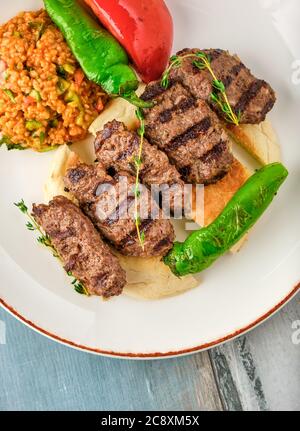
x=63, y=160
x=260, y=140
x=216, y=197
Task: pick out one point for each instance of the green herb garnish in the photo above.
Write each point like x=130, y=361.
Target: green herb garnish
x=9, y=145
x=47, y=148
x=53, y=123
x=78, y=286
x=10, y=95
x=175, y=61
x=33, y=226
x=62, y=86
x=61, y=71
x=138, y=163
x=69, y=68
x=42, y=137
x=35, y=95
x=39, y=26
x=32, y=125
x=218, y=96
x=45, y=240
x=28, y=68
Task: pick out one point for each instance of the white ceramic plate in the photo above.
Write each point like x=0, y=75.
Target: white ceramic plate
x=236, y=294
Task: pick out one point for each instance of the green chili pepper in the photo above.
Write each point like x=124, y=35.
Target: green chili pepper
x=101, y=57
x=202, y=248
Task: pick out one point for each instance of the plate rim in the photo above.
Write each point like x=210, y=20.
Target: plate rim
x=231, y=334
x=155, y=355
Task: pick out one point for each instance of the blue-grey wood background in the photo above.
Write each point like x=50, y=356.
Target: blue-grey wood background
x=259, y=371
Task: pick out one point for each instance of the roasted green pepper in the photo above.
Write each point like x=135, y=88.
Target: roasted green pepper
x=202, y=248
x=101, y=57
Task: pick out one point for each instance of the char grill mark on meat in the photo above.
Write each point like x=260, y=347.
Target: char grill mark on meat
x=125, y=204
x=214, y=54
x=254, y=98
x=155, y=89
x=76, y=175
x=122, y=147
x=116, y=220
x=162, y=244
x=159, y=247
x=183, y=106
x=233, y=74
x=249, y=95
x=267, y=108
x=215, y=152
x=131, y=238
x=89, y=185
x=80, y=247
x=186, y=136
x=192, y=133
x=212, y=166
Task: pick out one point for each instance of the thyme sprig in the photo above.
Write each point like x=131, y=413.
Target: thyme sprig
x=33, y=226
x=78, y=286
x=138, y=163
x=175, y=61
x=218, y=96
x=45, y=240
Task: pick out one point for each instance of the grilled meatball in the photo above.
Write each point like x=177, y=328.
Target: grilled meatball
x=112, y=210
x=189, y=132
x=80, y=247
x=116, y=147
x=250, y=96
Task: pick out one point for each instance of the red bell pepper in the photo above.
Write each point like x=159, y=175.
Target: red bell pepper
x=143, y=27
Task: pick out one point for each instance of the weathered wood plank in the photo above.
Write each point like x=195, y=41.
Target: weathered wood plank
x=226, y=384
x=260, y=371
x=257, y=372
x=39, y=374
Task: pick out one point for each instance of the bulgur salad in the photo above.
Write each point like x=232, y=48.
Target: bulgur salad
x=45, y=98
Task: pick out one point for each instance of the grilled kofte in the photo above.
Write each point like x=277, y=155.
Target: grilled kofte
x=80, y=247
x=188, y=131
x=182, y=121
x=116, y=147
x=248, y=96
x=113, y=211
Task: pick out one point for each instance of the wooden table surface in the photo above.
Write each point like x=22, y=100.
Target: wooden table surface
x=259, y=371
